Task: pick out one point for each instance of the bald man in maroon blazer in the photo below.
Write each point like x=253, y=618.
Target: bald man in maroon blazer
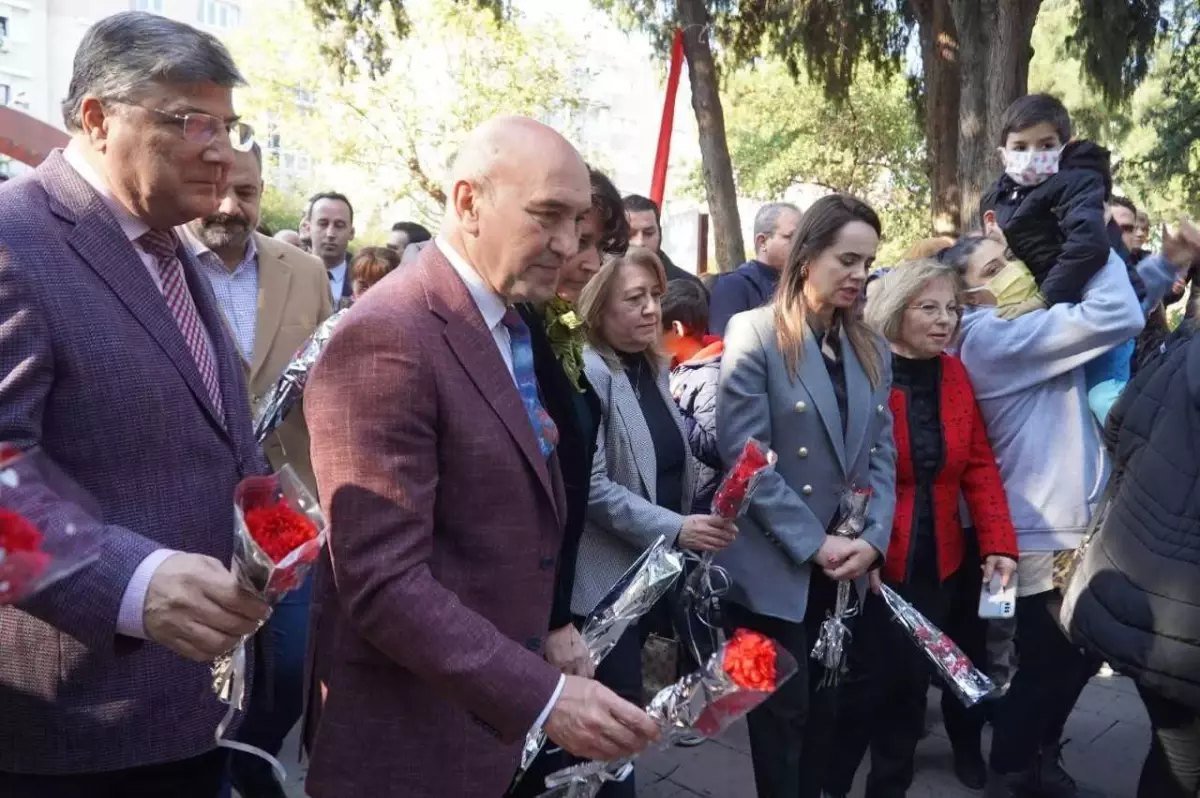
x=436, y=463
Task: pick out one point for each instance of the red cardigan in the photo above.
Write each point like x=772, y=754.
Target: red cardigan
x=968, y=469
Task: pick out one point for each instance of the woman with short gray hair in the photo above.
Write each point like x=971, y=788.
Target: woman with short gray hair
x=942, y=452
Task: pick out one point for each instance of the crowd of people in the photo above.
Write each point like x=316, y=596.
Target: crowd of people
x=513, y=409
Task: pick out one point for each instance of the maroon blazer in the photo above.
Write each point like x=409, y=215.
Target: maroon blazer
x=431, y=610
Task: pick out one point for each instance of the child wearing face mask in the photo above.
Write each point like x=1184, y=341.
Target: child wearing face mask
x=1050, y=206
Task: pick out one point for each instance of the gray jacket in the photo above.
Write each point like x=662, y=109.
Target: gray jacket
x=799, y=419
x=622, y=517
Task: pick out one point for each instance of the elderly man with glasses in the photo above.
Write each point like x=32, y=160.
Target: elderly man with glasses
x=117, y=366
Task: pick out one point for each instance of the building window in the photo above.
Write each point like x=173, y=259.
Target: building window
x=155, y=6
x=219, y=14
x=3, y=27
x=5, y=93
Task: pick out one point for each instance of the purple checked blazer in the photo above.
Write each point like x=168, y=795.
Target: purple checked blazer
x=94, y=369
x=430, y=614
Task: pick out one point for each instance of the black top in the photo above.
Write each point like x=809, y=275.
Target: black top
x=830, y=343
x=669, y=453
x=920, y=380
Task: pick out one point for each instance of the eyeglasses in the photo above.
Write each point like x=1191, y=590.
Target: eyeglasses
x=1128, y=229
x=201, y=128
x=933, y=311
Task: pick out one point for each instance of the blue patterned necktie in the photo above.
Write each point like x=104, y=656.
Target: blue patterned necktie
x=522, y=355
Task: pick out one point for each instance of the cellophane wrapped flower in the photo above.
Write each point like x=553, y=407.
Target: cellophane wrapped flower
x=834, y=636
x=639, y=588
x=706, y=583
x=40, y=546
x=968, y=683
x=278, y=533
x=739, y=676
x=754, y=461
x=281, y=397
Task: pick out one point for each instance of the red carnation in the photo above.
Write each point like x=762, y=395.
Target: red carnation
x=732, y=492
x=750, y=661
x=21, y=559
x=278, y=529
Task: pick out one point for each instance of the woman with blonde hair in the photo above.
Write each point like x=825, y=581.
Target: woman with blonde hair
x=643, y=475
x=807, y=377
x=942, y=453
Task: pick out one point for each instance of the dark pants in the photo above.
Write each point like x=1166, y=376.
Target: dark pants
x=1051, y=673
x=792, y=732
x=882, y=702
x=276, y=702
x=963, y=623
x=1172, y=768
x=199, y=777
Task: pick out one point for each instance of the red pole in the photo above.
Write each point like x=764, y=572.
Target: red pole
x=658, y=183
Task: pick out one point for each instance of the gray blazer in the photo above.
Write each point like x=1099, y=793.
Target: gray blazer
x=622, y=517
x=798, y=417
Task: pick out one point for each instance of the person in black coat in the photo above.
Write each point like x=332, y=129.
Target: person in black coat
x=1135, y=599
x=557, y=342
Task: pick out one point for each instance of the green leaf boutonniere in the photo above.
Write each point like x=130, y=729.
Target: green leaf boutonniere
x=564, y=328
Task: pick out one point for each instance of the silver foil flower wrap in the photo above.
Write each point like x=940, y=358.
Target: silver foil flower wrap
x=970, y=684
x=706, y=583
x=638, y=589
x=703, y=703
x=834, y=636
x=281, y=397
x=257, y=572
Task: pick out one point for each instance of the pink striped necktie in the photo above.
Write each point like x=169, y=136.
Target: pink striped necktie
x=162, y=245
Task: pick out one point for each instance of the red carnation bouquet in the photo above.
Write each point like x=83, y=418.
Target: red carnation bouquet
x=279, y=531
x=47, y=531
x=707, y=583
x=754, y=461
x=743, y=673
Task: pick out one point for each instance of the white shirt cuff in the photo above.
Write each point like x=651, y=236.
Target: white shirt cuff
x=133, y=602
x=562, y=681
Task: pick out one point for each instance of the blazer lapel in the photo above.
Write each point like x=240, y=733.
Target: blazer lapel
x=274, y=279
x=815, y=377
x=100, y=242
x=858, y=400
x=629, y=409
x=474, y=346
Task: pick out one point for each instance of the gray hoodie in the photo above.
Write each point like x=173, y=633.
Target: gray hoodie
x=1028, y=379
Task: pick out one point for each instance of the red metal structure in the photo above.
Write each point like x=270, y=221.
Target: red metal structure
x=26, y=139
x=658, y=183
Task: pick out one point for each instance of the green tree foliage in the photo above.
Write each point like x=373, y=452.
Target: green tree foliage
x=782, y=134
x=281, y=210
x=400, y=131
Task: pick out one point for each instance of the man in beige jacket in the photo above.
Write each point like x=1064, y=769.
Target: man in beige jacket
x=272, y=296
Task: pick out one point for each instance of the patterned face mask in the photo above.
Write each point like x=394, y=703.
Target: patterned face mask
x=1011, y=285
x=1031, y=167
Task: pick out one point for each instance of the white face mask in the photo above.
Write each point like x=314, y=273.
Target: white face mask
x=1031, y=167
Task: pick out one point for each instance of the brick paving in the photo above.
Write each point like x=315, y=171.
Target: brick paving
x=1109, y=736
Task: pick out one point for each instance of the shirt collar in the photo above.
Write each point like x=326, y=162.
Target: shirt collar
x=338, y=272
x=133, y=227
x=207, y=256
x=490, y=305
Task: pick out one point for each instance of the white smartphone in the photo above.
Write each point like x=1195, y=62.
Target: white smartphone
x=997, y=602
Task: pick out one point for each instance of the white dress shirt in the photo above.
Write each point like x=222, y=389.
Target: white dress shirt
x=492, y=307
x=133, y=601
x=337, y=281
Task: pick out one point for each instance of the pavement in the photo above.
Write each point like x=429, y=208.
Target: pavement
x=1109, y=736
